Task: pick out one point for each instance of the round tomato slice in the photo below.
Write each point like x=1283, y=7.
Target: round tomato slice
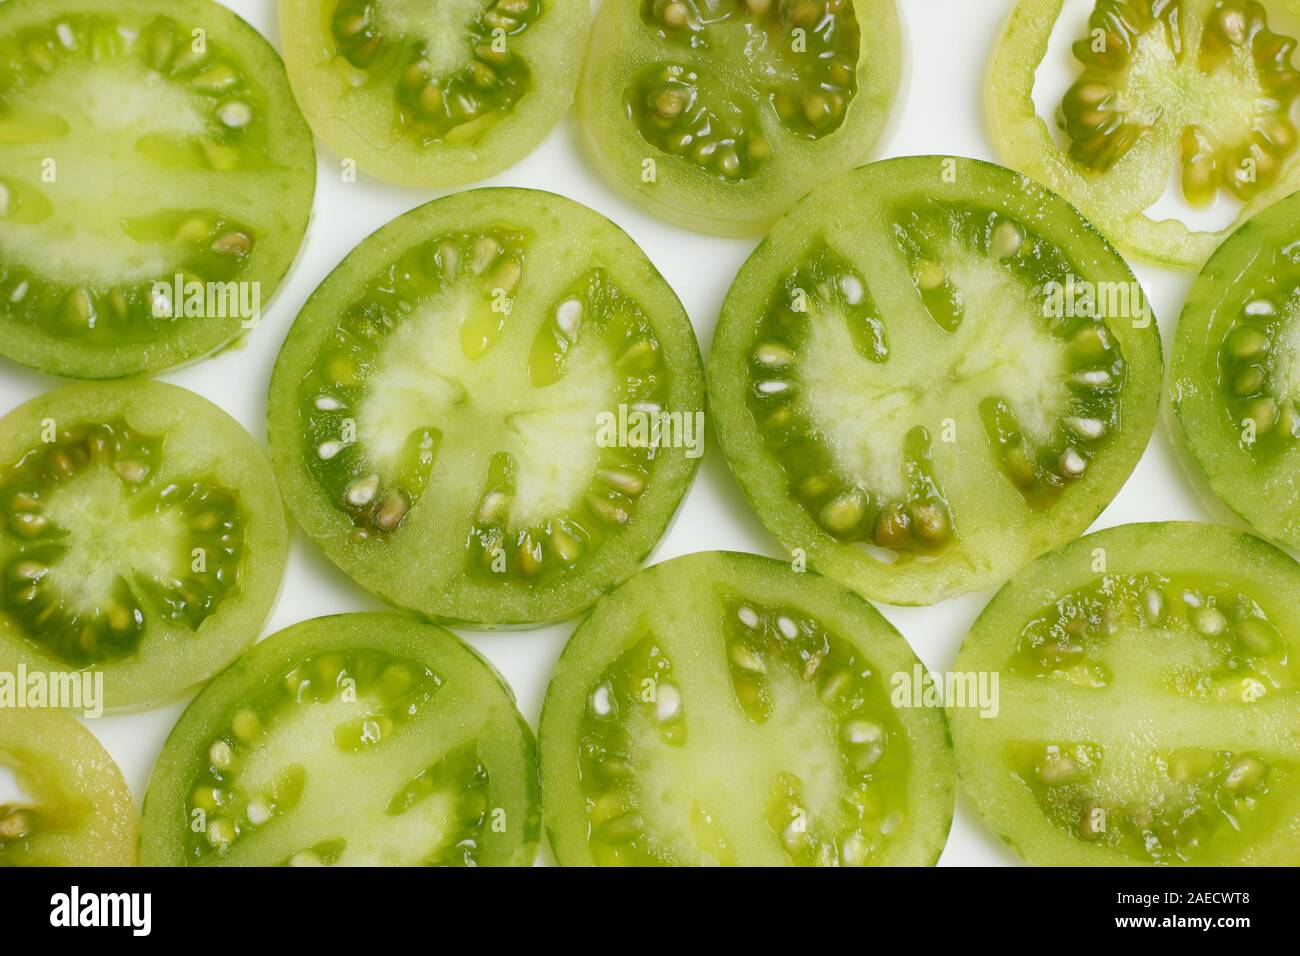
x=719, y=117
x=142, y=537
x=156, y=179
x=490, y=410
x=930, y=372
x=435, y=93
x=1236, y=373
x=1206, y=84
x=359, y=739
x=721, y=708
x=77, y=810
x=1149, y=702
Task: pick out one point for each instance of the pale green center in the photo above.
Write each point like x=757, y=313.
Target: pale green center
x=483, y=405
x=1002, y=348
x=107, y=537
x=82, y=165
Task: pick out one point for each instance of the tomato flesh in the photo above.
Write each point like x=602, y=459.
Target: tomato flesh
x=1148, y=705
x=1204, y=83
x=143, y=537
x=433, y=94
x=360, y=739
x=931, y=371
x=746, y=721
x=77, y=810
x=718, y=119
x=1232, y=377
x=157, y=181
x=446, y=412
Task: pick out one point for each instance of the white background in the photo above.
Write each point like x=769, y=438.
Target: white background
x=940, y=111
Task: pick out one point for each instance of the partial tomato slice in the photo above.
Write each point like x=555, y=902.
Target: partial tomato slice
x=931, y=371
x=360, y=739
x=721, y=708
x=1236, y=373
x=155, y=182
x=719, y=116
x=142, y=537
x=490, y=411
x=1204, y=84
x=1149, y=702
x=433, y=92
x=77, y=810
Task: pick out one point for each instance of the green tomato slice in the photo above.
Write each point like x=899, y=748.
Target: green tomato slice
x=1149, y=702
x=490, y=411
x=930, y=372
x=156, y=179
x=433, y=93
x=721, y=708
x=718, y=117
x=1205, y=84
x=1235, y=376
x=359, y=739
x=143, y=538
x=77, y=810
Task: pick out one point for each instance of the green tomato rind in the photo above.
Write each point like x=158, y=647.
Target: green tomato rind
x=840, y=212
x=684, y=194
x=674, y=594
x=1116, y=201
x=483, y=710
x=75, y=790
x=199, y=440
x=1261, y=493
x=276, y=201
x=357, y=122
x=406, y=571
x=1216, y=553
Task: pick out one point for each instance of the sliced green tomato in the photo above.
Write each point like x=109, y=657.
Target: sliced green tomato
x=76, y=809
x=490, y=411
x=155, y=182
x=433, y=92
x=930, y=372
x=359, y=739
x=1149, y=706
x=1203, y=84
x=142, y=537
x=718, y=117
x=721, y=708
x=1235, y=376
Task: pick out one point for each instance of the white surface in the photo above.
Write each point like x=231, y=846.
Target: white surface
x=941, y=112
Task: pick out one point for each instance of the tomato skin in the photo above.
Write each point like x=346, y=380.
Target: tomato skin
x=363, y=130
x=852, y=210
x=506, y=743
x=1143, y=715
x=408, y=571
x=693, y=583
x=1117, y=201
x=682, y=193
x=60, y=762
x=201, y=439
x=283, y=193
x=1228, y=477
